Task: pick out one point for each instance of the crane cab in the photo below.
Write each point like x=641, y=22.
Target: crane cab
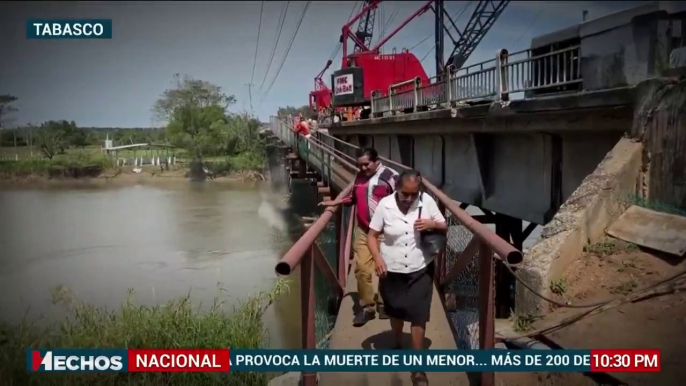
x=353, y=86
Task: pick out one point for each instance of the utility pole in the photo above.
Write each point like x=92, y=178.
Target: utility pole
x=438, y=11
x=31, y=139
x=250, y=94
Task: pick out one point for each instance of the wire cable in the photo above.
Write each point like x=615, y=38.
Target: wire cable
x=527, y=28
x=259, y=28
x=282, y=18
x=339, y=45
x=288, y=50
x=384, y=29
x=254, y=62
x=434, y=46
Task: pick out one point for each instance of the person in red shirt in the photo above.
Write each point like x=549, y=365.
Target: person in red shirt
x=373, y=182
x=302, y=128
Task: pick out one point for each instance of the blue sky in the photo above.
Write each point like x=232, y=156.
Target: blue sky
x=113, y=83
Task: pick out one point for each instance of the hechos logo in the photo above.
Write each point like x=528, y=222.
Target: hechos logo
x=50, y=362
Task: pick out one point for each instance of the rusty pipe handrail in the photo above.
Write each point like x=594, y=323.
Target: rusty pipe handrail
x=502, y=248
x=292, y=258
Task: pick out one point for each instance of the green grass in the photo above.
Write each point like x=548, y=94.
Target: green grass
x=522, y=323
x=75, y=164
x=174, y=325
x=90, y=161
x=240, y=163
x=624, y=288
x=610, y=247
x=558, y=287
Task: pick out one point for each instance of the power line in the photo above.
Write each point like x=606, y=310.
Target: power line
x=259, y=28
x=384, y=28
x=254, y=63
x=337, y=47
x=527, y=28
x=282, y=19
x=290, y=44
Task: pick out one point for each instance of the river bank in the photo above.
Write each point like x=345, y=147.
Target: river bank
x=177, y=324
x=123, y=176
x=173, y=243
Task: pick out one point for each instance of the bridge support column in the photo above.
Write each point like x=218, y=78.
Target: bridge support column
x=302, y=168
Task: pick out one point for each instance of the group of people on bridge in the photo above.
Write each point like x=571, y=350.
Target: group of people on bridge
x=394, y=219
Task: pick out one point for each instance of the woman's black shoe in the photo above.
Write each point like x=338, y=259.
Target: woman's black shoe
x=382, y=312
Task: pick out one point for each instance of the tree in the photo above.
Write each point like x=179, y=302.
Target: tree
x=49, y=139
x=6, y=109
x=305, y=110
x=196, y=114
x=190, y=92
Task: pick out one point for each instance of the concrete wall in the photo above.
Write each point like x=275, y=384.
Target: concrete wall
x=462, y=179
x=581, y=154
x=627, y=47
x=621, y=56
x=581, y=220
x=428, y=157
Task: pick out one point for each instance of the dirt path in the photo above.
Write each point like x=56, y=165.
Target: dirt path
x=608, y=269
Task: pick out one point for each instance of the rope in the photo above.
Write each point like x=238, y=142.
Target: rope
x=587, y=305
x=650, y=292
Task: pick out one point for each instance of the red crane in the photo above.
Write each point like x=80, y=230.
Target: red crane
x=320, y=98
x=365, y=69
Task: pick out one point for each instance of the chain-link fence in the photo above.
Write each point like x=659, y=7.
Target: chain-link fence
x=465, y=287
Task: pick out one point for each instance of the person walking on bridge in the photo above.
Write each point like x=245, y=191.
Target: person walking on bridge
x=404, y=266
x=373, y=182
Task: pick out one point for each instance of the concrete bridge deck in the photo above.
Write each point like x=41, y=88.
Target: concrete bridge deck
x=377, y=335
x=551, y=113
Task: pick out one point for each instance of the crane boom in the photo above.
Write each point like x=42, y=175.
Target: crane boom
x=365, y=28
x=483, y=18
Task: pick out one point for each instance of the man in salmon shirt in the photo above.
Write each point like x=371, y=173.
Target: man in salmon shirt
x=302, y=128
x=372, y=183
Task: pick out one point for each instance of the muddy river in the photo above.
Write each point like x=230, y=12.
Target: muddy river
x=161, y=241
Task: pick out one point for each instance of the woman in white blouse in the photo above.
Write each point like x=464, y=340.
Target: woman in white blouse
x=404, y=268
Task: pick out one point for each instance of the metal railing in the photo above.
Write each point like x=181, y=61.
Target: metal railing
x=323, y=153
x=554, y=69
x=492, y=79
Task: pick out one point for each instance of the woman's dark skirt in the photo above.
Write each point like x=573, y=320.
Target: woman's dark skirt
x=407, y=296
